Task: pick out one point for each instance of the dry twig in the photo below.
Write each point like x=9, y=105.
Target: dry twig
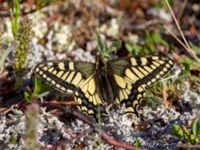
x=62, y=103
x=186, y=45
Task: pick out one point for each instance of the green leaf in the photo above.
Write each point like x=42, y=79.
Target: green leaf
x=196, y=140
x=114, y=46
x=13, y=139
x=193, y=138
x=15, y=17
x=27, y=96
x=106, y=57
x=152, y=39
x=189, y=63
x=196, y=48
x=196, y=127
x=186, y=134
x=177, y=130
x=40, y=90
x=148, y=37
x=158, y=39
x=186, y=68
x=39, y=87
x=186, y=131
x=43, y=94
x=137, y=143
x=101, y=44
x=149, y=41
x=135, y=49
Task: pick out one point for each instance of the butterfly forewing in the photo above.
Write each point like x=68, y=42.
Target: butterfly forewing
x=76, y=78
x=130, y=76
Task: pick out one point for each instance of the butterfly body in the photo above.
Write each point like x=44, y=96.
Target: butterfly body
x=94, y=86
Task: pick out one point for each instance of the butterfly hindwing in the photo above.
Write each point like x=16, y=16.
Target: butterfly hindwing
x=74, y=78
x=130, y=76
x=90, y=97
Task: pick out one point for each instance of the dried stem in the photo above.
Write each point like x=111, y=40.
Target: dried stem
x=186, y=45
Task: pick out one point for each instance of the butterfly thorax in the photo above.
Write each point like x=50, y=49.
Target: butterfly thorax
x=106, y=90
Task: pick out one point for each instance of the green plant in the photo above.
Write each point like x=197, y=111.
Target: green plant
x=22, y=34
x=15, y=17
x=137, y=143
x=135, y=49
x=104, y=50
x=151, y=41
x=40, y=90
x=192, y=135
x=195, y=47
x=22, y=41
x=13, y=139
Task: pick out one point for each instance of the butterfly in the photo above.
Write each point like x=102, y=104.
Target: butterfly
x=95, y=85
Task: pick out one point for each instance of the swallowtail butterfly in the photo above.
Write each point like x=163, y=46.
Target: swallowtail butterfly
x=94, y=86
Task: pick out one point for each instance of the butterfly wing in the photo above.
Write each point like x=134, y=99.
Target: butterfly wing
x=130, y=76
x=74, y=78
